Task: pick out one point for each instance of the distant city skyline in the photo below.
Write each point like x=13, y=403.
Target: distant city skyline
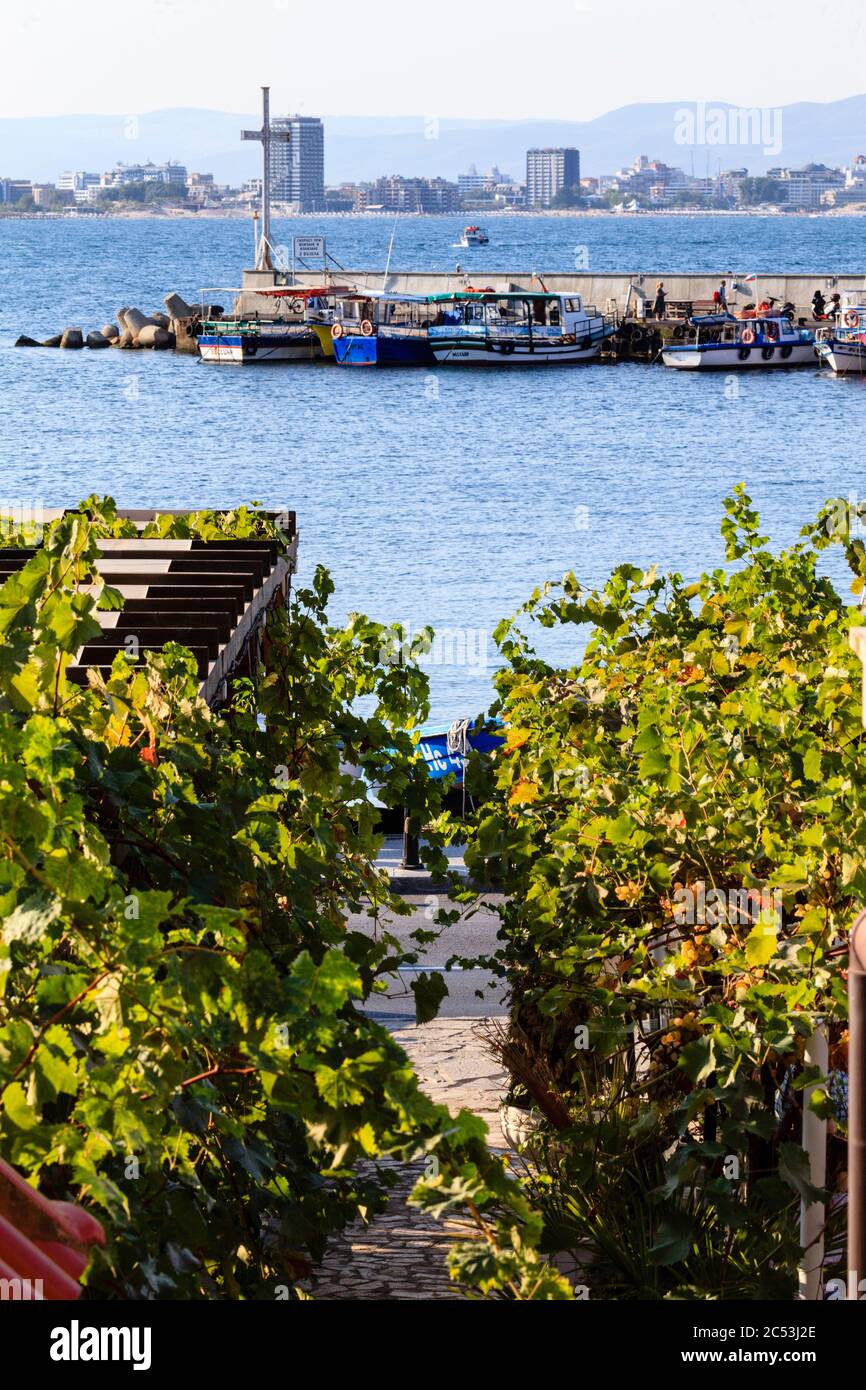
x=585, y=54
x=366, y=148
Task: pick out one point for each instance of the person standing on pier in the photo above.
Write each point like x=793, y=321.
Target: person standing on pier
x=659, y=301
x=723, y=297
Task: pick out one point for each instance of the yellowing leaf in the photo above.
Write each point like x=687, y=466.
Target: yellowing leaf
x=523, y=793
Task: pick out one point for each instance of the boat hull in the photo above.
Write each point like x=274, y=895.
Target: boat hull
x=254, y=348
x=722, y=357
x=487, y=351
x=843, y=358
x=355, y=350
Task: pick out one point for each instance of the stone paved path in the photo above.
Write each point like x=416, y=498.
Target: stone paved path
x=402, y=1253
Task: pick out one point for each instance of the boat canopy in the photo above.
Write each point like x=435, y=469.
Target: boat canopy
x=303, y=292
x=489, y=294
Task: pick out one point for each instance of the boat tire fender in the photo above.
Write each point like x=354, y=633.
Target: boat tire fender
x=767, y=352
x=786, y=351
x=744, y=354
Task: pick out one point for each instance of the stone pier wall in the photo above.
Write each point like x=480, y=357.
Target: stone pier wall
x=596, y=289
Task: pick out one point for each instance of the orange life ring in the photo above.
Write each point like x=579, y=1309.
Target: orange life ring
x=747, y=335
x=336, y=329
x=366, y=327
x=852, y=319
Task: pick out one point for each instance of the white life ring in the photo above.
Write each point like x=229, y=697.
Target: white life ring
x=366, y=327
x=336, y=329
x=852, y=319
x=747, y=335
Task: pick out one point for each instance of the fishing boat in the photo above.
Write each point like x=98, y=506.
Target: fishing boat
x=843, y=347
x=471, y=327
x=290, y=334
x=474, y=236
x=256, y=340
x=720, y=342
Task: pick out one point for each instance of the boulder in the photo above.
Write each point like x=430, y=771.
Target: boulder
x=135, y=320
x=110, y=331
x=97, y=340
x=125, y=340
x=52, y=342
x=153, y=336
x=72, y=338
x=24, y=341
x=121, y=317
x=177, y=306
x=162, y=319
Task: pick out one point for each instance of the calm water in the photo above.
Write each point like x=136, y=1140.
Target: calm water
x=439, y=496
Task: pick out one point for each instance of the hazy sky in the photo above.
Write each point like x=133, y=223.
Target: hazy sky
x=504, y=58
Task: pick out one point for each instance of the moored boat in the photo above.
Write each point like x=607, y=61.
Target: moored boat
x=843, y=347
x=253, y=340
x=724, y=343
x=471, y=327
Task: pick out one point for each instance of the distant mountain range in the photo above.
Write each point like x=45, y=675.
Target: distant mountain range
x=358, y=148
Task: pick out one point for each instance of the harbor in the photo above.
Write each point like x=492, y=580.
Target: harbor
x=424, y=319
x=287, y=309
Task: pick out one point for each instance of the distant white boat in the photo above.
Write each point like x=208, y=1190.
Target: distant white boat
x=474, y=236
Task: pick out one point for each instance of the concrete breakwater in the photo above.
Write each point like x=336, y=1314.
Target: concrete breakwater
x=619, y=292
x=134, y=329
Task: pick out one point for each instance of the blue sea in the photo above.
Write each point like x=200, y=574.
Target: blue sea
x=442, y=496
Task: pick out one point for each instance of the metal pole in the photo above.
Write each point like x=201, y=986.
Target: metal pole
x=265, y=251
x=411, y=857
x=857, y=1106
x=812, y=1214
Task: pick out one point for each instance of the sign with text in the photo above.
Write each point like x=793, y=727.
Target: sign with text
x=309, y=248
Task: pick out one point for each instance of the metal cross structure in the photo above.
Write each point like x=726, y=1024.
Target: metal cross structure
x=266, y=135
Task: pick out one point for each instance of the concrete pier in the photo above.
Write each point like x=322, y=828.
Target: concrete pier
x=602, y=290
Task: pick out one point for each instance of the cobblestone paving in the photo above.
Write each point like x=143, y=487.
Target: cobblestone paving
x=402, y=1253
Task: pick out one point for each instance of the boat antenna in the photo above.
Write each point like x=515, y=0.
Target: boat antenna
x=390, y=249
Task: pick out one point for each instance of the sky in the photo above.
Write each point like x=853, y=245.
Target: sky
x=565, y=59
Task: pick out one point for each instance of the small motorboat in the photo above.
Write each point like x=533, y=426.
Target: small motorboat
x=474, y=236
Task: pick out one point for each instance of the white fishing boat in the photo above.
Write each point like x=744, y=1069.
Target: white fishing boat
x=253, y=340
x=723, y=343
x=474, y=236
x=843, y=347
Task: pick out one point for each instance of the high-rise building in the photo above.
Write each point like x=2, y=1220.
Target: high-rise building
x=398, y=194
x=548, y=172
x=298, y=164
